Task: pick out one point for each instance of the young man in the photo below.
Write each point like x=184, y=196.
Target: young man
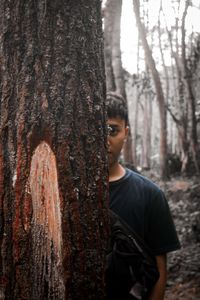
x=136, y=199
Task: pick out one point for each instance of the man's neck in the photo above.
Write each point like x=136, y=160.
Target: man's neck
x=116, y=172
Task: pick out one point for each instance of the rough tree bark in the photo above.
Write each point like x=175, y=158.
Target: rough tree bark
x=53, y=170
x=159, y=91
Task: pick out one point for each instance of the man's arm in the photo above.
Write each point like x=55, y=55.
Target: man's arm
x=159, y=288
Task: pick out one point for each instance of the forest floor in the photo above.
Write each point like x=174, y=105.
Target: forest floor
x=183, y=194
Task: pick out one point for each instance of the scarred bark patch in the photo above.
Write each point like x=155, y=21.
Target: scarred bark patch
x=46, y=225
x=45, y=194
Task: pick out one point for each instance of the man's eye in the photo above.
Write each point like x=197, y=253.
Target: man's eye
x=112, y=130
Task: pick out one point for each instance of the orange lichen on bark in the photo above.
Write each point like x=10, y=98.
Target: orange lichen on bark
x=45, y=194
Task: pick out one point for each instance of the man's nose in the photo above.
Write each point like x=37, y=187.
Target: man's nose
x=108, y=140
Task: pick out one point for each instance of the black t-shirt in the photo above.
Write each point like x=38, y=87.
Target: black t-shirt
x=144, y=207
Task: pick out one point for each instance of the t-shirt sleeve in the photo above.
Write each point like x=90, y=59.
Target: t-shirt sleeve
x=161, y=234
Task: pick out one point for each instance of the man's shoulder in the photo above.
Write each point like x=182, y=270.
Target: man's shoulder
x=142, y=181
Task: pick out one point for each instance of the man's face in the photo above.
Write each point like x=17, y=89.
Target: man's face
x=117, y=133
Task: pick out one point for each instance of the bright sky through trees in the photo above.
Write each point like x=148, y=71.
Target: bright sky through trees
x=129, y=33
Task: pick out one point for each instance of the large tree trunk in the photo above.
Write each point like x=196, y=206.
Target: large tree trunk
x=53, y=171
x=159, y=91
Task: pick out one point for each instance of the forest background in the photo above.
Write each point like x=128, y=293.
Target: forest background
x=159, y=52
x=152, y=56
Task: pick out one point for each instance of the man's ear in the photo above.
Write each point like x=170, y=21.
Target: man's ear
x=126, y=131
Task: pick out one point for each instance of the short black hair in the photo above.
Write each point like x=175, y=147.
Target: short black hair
x=116, y=106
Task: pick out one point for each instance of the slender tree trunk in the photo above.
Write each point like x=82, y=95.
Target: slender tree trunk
x=159, y=91
x=114, y=62
x=135, y=125
x=108, y=31
x=53, y=171
x=136, y=98
x=181, y=106
x=119, y=73
x=162, y=57
x=116, y=50
x=147, y=132
x=182, y=133
x=190, y=96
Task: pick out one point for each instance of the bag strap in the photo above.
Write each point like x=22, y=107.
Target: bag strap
x=117, y=222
